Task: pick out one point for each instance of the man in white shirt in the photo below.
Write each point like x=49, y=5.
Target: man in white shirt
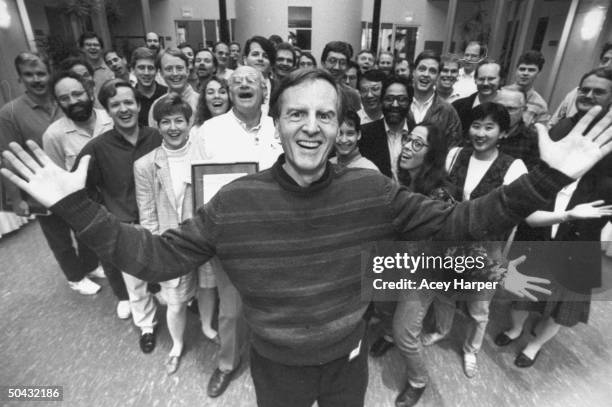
x=62, y=141
x=473, y=54
x=428, y=107
x=174, y=67
x=242, y=134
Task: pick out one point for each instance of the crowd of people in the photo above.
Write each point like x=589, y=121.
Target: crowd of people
x=369, y=147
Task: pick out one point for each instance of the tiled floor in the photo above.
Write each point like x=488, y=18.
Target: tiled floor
x=50, y=335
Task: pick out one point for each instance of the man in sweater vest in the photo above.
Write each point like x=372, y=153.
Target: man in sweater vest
x=290, y=238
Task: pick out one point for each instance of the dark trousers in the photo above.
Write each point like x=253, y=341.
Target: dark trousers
x=339, y=383
x=115, y=280
x=75, y=265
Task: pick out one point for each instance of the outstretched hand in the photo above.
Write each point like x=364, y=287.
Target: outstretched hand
x=42, y=179
x=520, y=284
x=576, y=153
x=595, y=209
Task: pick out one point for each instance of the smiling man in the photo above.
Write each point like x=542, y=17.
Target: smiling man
x=487, y=78
x=118, y=64
x=145, y=70
x=426, y=106
x=174, y=66
x=528, y=68
x=111, y=178
x=370, y=90
x=92, y=47
x=291, y=238
x=449, y=72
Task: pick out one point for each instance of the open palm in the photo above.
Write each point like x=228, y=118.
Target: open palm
x=577, y=153
x=43, y=179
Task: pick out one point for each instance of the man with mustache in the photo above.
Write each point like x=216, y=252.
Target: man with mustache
x=244, y=133
x=381, y=140
x=111, y=181
x=27, y=117
x=426, y=106
x=145, y=70
x=174, y=66
x=62, y=141
x=528, y=68
x=487, y=78
x=567, y=108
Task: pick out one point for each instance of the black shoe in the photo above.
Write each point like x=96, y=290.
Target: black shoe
x=218, y=382
x=523, y=360
x=504, y=340
x=380, y=347
x=409, y=396
x=147, y=342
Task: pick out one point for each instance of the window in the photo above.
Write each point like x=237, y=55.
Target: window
x=300, y=23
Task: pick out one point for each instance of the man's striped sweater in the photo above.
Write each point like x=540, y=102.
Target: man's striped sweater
x=294, y=253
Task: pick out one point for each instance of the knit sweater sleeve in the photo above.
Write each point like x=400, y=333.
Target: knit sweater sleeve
x=416, y=217
x=135, y=250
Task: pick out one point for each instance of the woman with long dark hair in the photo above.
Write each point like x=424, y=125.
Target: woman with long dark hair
x=214, y=101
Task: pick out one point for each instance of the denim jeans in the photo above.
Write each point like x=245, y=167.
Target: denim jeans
x=408, y=324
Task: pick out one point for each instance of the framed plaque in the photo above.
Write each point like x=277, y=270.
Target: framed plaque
x=208, y=178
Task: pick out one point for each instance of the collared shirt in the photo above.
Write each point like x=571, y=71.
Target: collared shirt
x=561, y=202
x=64, y=140
x=476, y=101
x=419, y=110
x=189, y=95
x=465, y=85
x=365, y=119
x=394, y=141
x=110, y=177
x=146, y=103
x=23, y=119
x=567, y=108
x=536, y=109
x=225, y=138
x=102, y=73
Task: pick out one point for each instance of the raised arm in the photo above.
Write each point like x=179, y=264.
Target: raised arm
x=131, y=248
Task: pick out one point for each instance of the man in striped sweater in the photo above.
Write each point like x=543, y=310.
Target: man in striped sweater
x=290, y=238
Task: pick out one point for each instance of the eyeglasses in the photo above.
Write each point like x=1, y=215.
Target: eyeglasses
x=237, y=80
x=333, y=61
x=584, y=90
x=402, y=100
x=415, y=144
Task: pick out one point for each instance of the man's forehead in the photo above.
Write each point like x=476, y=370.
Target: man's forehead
x=451, y=66
x=152, y=36
x=472, y=49
x=488, y=70
x=527, y=66
x=168, y=59
x=511, y=98
x=33, y=65
x=337, y=55
x=309, y=92
x=597, y=81
x=204, y=53
x=367, y=82
x=397, y=89
x=68, y=84
x=145, y=61
x=245, y=70
x=285, y=52
x=428, y=63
